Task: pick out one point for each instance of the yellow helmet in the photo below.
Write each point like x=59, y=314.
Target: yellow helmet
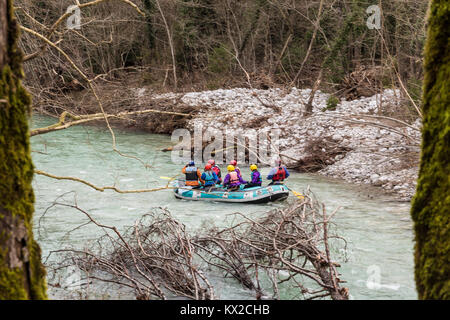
x=253, y=167
x=230, y=168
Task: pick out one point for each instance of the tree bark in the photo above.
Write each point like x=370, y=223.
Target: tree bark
x=309, y=104
x=430, y=208
x=3, y=29
x=22, y=275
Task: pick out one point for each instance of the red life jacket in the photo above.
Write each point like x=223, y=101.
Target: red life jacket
x=234, y=177
x=280, y=175
x=217, y=171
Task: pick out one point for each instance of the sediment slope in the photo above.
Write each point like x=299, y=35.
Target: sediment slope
x=354, y=142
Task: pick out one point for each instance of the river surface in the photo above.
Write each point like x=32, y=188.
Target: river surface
x=378, y=229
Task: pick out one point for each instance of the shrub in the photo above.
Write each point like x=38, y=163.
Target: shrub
x=332, y=103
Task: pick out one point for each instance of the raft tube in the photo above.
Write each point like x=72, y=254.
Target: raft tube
x=250, y=195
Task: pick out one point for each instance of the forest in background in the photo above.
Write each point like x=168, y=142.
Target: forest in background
x=178, y=45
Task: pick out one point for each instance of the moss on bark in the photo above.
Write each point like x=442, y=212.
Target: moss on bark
x=22, y=275
x=430, y=208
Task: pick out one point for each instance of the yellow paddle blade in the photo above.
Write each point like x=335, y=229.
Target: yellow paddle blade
x=298, y=195
x=166, y=178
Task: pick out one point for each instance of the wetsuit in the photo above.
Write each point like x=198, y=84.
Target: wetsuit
x=256, y=180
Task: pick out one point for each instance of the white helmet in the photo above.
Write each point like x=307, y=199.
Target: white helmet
x=277, y=162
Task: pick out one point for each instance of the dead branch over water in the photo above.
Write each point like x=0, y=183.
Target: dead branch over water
x=158, y=259
x=64, y=123
x=102, y=189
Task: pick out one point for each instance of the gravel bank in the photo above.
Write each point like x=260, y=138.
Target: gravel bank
x=371, y=149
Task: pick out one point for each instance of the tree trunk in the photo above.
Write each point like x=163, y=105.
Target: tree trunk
x=430, y=208
x=22, y=275
x=309, y=104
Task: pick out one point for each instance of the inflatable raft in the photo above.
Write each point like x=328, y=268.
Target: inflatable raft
x=250, y=195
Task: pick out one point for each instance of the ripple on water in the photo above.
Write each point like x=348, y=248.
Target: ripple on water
x=379, y=230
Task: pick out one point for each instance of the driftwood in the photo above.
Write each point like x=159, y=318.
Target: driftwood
x=67, y=120
x=322, y=152
x=158, y=259
x=361, y=82
x=293, y=241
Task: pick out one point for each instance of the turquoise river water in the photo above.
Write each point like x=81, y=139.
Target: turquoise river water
x=378, y=229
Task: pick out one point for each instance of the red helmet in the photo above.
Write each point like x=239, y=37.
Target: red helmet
x=233, y=162
x=212, y=162
x=208, y=166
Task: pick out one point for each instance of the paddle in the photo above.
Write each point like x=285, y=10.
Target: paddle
x=297, y=194
x=169, y=178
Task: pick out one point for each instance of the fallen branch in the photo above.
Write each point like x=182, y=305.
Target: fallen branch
x=345, y=117
x=90, y=83
x=101, y=189
x=76, y=120
x=281, y=247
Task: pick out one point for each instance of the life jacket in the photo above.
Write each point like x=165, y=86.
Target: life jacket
x=216, y=169
x=191, y=176
x=234, y=177
x=280, y=175
x=209, y=178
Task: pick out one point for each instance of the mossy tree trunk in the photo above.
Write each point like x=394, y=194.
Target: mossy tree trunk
x=22, y=275
x=431, y=204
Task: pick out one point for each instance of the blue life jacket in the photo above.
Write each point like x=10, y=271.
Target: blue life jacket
x=209, y=178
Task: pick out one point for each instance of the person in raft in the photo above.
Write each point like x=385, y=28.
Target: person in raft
x=234, y=164
x=193, y=175
x=210, y=177
x=278, y=174
x=255, y=176
x=233, y=179
x=216, y=169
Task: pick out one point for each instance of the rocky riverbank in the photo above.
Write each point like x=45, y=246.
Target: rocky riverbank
x=354, y=142
x=358, y=141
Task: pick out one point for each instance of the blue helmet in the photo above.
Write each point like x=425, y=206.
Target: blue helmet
x=191, y=163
